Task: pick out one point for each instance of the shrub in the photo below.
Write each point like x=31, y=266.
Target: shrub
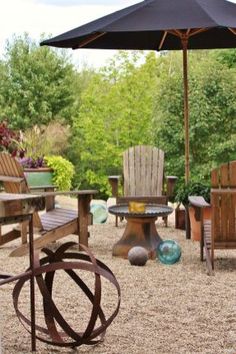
x=194, y=189
x=63, y=171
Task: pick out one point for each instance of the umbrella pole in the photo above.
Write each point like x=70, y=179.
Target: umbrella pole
x=186, y=110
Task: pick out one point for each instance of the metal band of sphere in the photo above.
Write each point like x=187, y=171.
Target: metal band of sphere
x=48, y=265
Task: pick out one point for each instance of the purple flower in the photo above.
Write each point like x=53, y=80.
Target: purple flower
x=28, y=162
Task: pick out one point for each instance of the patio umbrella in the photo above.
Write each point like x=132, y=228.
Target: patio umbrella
x=160, y=25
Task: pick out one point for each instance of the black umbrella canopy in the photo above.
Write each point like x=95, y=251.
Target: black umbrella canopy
x=160, y=25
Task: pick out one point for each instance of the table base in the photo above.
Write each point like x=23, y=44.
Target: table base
x=138, y=232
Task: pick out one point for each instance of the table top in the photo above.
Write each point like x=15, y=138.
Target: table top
x=152, y=210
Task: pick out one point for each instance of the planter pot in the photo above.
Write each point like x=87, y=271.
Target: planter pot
x=39, y=176
x=195, y=224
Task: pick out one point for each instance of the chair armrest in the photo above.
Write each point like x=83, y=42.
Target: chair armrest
x=44, y=188
x=198, y=202
x=170, y=185
x=11, y=179
x=50, y=199
x=114, y=182
x=74, y=192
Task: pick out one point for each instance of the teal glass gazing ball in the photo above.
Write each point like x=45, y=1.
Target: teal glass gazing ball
x=100, y=213
x=168, y=252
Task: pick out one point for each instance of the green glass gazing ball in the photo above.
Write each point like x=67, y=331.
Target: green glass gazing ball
x=99, y=212
x=168, y=252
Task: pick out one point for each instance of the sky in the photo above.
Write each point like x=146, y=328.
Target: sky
x=54, y=17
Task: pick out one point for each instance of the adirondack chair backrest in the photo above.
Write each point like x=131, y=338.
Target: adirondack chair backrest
x=143, y=168
x=223, y=201
x=10, y=167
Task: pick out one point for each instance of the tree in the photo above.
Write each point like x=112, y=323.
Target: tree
x=115, y=113
x=37, y=86
x=212, y=114
x=227, y=56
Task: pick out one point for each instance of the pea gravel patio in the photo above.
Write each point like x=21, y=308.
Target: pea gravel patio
x=164, y=309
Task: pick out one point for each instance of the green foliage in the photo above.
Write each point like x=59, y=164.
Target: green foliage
x=227, y=56
x=192, y=189
x=115, y=113
x=36, y=85
x=136, y=99
x=63, y=171
x=212, y=112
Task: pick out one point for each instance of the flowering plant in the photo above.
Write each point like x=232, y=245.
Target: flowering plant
x=27, y=148
x=32, y=148
x=8, y=138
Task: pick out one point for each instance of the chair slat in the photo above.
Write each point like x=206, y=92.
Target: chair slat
x=232, y=174
x=224, y=175
x=215, y=178
x=131, y=177
x=126, y=172
x=149, y=172
x=139, y=161
x=160, y=171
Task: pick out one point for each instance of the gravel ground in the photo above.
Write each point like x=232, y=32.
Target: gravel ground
x=164, y=309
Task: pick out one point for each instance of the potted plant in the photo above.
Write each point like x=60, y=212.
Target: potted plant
x=36, y=150
x=192, y=188
x=31, y=148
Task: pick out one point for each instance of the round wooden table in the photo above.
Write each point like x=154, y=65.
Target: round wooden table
x=140, y=229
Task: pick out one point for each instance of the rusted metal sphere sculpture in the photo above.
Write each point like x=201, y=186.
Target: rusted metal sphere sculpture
x=57, y=330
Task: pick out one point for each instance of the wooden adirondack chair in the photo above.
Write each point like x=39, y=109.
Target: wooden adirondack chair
x=143, y=177
x=53, y=224
x=220, y=231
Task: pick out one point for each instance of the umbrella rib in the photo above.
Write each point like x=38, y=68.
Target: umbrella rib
x=162, y=40
x=233, y=30
x=185, y=35
x=198, y=30
x=174, y=32
x=89, y=40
